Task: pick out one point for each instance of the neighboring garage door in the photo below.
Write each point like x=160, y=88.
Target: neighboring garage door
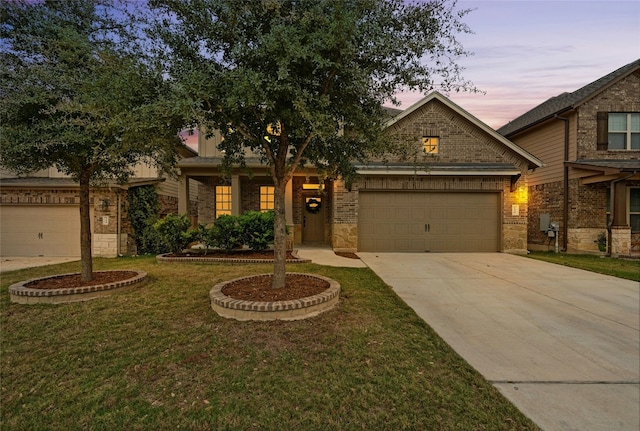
x=39, y=230
x=428, y=221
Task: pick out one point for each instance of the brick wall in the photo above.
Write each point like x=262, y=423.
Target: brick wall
x=460, y=140
x=514, y=227
x=623, y=96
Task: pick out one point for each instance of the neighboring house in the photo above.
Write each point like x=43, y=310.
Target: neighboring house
x=39, y=214
x=589, y=141
x=460, y=187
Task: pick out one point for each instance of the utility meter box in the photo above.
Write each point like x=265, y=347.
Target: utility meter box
x=545, y=221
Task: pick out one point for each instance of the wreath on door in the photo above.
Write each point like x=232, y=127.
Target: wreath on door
x=313, y=205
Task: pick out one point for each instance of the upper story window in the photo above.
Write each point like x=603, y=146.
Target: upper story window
x=223, y=200
x=622, y=131
x=267, y=198
x=430, y=144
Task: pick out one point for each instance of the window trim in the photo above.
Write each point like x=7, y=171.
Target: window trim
x=223, y=200
x=603, y=132
x=629, y=212
x=431, y=145
x=267, y=197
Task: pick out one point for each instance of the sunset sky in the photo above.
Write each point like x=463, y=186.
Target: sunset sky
x=529, y=51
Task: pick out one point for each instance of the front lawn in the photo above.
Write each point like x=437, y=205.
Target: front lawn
x=622, y=268
x=158, y=358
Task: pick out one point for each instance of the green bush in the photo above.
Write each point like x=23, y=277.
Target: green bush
x=257, y=229
x=175, y=232
x=208, y=236
x=143, y=213
x=226, y=232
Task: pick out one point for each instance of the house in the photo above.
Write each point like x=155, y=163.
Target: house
x=589, y=141
x=459, y=186
x=39, y=214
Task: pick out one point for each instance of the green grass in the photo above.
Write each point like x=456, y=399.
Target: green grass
x=157, y=357
x=622, y=268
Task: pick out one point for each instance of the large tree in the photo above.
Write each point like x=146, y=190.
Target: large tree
x=303, y=81
x=78, y=94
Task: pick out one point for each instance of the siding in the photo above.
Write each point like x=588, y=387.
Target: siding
x=546, y=142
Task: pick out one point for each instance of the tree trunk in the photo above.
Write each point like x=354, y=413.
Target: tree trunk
x=280, y=236
x=85, y=230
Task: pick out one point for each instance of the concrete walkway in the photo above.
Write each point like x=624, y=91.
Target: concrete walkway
x=13, y=263
x=561, y=343
x=324, y=255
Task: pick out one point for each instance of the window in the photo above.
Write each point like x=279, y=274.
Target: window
x=223, y=200
x=430, y=144
x=267, y=198
x=622, y=131
x=634, y=209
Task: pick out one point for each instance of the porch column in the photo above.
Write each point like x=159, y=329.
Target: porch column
x=620, y=204
x=235, y=195
x=288, y=202
x=183, y=194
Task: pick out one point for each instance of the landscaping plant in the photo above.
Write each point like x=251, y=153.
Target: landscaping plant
x=227, y=232
x=175, y=232
x=257, y=229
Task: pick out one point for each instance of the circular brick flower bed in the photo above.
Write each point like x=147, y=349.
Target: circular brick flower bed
x=313, y=295
x=59, y=289
x=237, y=256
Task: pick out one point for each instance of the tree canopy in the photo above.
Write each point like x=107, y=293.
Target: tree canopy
x=304, y=81
x=79, y=94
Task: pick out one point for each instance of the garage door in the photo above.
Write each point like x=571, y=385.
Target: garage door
x=420, y=221
x=39, y=230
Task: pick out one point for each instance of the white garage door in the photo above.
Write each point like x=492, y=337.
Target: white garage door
x=39, y=230
x=421, y=221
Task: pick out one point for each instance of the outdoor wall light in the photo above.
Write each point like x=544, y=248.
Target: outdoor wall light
x=104, y=204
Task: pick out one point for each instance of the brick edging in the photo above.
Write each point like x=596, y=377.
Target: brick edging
x=294, y=309
x=19, y=291
x=164, y=258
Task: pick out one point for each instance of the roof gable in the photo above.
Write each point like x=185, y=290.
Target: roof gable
x=435, y=96
x=567, y=101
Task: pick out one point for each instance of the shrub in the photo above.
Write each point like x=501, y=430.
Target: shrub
x=143, y=213
x=208, y=236
x=226, y=232
x=175, y=232
x=257, y=229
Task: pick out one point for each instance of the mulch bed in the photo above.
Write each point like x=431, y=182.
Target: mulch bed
x=251, y=289
x=75, y=280
x=259, y=288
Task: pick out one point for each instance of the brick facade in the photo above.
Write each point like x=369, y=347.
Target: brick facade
x=514, y=227
x=588, y=188
x=110, y=209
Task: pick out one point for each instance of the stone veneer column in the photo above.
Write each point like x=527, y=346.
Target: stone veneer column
x=620, y=240
x=344, y=232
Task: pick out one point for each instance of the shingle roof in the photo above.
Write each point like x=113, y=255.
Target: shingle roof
x=565, y=101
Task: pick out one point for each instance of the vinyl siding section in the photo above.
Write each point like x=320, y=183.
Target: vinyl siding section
x=546, y=142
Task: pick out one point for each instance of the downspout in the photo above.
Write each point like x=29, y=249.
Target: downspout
x=565, y=181
x=612, y=202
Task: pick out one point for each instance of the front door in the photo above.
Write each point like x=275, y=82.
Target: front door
x=313, y=220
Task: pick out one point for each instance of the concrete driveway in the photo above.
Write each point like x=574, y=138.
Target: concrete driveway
x=561, y=343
